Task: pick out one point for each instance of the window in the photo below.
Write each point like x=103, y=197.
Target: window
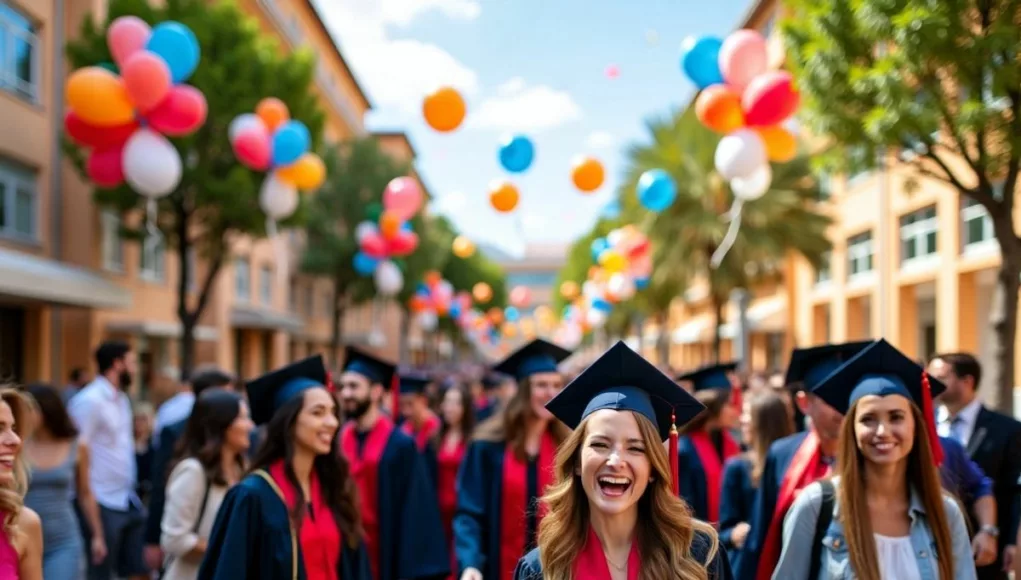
x=918, y=234
x=19, y=54
x=112, y=244
x=152, y=258
x=266, y=285
x=776, y=354
x=18, y=209
x=823, y=274
x=859, y=254
x=978, y=226
x=242, y=279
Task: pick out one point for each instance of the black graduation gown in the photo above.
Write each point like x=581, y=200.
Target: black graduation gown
x=736, y=500
x=252, y=540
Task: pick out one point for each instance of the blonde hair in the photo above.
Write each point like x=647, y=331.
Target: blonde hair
x=12, y=495
x=509, y=424
x=665, y=531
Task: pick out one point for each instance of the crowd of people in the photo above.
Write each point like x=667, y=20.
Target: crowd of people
x=858, y=463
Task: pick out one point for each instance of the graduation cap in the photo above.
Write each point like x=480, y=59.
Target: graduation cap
x=493, y=380
x=712, y=376
x=880, y=369
x=810, y=366
x=413, y=384
x=535, y=357
x=274, y=389
x=369, y=366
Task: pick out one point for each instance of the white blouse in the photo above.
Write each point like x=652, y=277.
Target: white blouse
x=183, y=526
x=896, y=558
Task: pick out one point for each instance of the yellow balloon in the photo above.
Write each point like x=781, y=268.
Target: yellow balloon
x=463, y=247
x=308, y=172
x=612, y=261
x=99, y=97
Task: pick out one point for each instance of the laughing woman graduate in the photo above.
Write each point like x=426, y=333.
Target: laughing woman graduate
x=507, y=467
x=295, y=516
x=613, y=513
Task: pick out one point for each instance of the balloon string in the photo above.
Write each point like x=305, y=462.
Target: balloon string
x=280, y=247
x=728, y=240
x=152, y=233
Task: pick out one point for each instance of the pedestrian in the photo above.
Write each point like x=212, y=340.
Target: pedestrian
x=21, y=532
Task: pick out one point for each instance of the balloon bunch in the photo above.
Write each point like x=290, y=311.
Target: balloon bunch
x=124, y=119
x=391, y=237
x=748, y=103
x=434, y=298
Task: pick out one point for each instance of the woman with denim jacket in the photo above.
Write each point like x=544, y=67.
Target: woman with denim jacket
x=890, y=517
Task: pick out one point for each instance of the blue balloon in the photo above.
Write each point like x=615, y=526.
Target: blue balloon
x=176, y=44
x=700, y=60
x=365, y=265
x=611, y=211
x=656, y=190
x=454, y=311
x=511, y=314
x=641, y=283
x=290, y=142
x=517, y=153
x=600, y=304
x=599, y=245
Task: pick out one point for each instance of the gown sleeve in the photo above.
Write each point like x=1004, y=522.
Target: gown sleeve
x=731, y=501
x=355, y=563
x=471, y=518
x=718, y=566
x=232, y=551
x=761, y=519
x=423, y=547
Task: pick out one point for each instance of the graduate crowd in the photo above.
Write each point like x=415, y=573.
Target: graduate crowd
x=861, y=464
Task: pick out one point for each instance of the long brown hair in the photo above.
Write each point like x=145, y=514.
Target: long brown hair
x=508, y=425
x=467, y=416
x=715, y=400
x=665, y=531
x=12, y=497
x=922, y=476
x=770, y=420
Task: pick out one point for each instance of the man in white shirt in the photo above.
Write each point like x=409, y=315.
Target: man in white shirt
x=102, y=412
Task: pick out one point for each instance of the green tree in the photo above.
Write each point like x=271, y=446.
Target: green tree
x=937, y=82
x=217, y=199
x=357, y=173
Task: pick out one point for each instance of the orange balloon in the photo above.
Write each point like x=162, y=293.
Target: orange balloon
x=569, y=290
x=463, y=247
x=482, y=293
x=444, y=109
x=99, y=97
x=273, y=112
x=389, y=224
x=503, y=196
x=781, y=145
x=719, y=109
x=495, y=315
x=432, y=277
x=308, y=172
x=587, y=174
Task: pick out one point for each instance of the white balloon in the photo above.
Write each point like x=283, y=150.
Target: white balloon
x=740, y=154
x=614, y=238
x=242, y=122
x=753, y=186
x=595, y=317
x=364, y=230
x=570, y=336
x=389, y=279
x=276, y=198
x=428, y=320
x=152, y=165
x=621, y=286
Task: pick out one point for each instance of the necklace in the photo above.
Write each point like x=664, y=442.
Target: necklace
x=622, y=568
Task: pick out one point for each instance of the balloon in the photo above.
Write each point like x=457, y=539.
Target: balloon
x=569, y=290
x=432, y=278
x=147, y=79
x=95, y=137
x=463, y=247
x=503, y=196
x=105, y=167
x=98, y=97
x=781, y=145
x=516, y=153
x=365, y=229
x=520, y=296
x=181, y=113
x=244, y=122
x=276, y=198
x=403, y=243
x=403, y=197
x=700, y=60
x=273, y=112
x=719, y=109
x=587, y=174
x=598, y=246
x=444, y=109
x=595, y=318
x=482, y=293
x=427, y=320
x=365, y=264
x=770, y=99
x=152, y=166
x=743, y=56
x=251, y=147
x=656, y=190
x=290, y=141
x=177, y=45
x=308, y=172
x=612, y=261
x=495, y=315
x=754, y=185
x=126, y=36
x=642, y=283
x=511, y=314
x=621, y=287
x=374, y=245
x=389, y=279
x=389, y=224
x=739, y=154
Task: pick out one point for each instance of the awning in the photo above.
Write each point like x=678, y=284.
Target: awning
x=764, y=315
x=159, y=329
x=45, y=280
x=256, y=318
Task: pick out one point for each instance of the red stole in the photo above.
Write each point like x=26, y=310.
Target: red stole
x=319, y=536
x=448, y=459
x=591, y=563
x=713, y=467
x=806, y=467
x=513, y=512
x=365, y=471
x=429, y=428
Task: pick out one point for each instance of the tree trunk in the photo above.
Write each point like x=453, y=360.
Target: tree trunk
x=337, y=337
x=717, y=327
x=1009, y=278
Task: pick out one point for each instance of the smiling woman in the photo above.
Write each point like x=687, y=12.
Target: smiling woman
x=21, y=535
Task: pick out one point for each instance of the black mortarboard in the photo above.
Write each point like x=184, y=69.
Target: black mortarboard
x=809, y=366
x=712, y=376
x=535, y=357
x=493, y=380
x=369, y=366
x=413, y=384
x=272, y=390
x=621, y=379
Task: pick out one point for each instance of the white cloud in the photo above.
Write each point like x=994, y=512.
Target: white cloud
x=599, y=140
x=402, y=12
x=450, y=204
x=512, y=86
x=519, y=107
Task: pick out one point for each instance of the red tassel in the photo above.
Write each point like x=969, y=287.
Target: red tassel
x=395, y=396
x=930, y=419
x=675, y=472
x=737, y=399
x=329, y=382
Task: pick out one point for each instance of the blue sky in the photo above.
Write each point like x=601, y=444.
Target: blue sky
x=535, y=67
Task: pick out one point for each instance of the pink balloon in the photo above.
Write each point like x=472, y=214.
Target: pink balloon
x=520, y=296
x=402, y=197
x=743, y=57
x=374, y=246
x=402, y=244
x=126, y=36
x=770, y=99
x=105, y=167
x=147, y=79
x=252, y=148
x=181, y=113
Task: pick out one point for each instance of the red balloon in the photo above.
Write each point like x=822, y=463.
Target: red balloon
x=252, y=148
x=403, y=243
x=374, y=246
x=146, y=76
x=88, y=135
x=182, y=112
x=105, y=168
x=770, y=99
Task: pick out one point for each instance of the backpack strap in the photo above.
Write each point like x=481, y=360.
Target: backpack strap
x=821, y=526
